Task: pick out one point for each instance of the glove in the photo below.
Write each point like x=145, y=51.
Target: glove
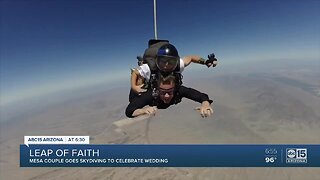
x=211, y=59
x=140, y=60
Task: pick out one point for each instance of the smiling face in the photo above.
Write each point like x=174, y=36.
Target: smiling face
x=167, y=88
x=166, y=92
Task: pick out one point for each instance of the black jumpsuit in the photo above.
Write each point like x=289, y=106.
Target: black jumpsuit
x=146, y=98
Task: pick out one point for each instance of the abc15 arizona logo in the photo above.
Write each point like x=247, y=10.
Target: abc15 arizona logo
x=296, y=155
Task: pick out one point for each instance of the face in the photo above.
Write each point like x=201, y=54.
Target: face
x=166, y=92
x=167, y=64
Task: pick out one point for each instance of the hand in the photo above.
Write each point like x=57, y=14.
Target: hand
x=212, y=61
x=205, y=109
x=139, y=89
x=147, y=110
x=140, y=60
x=150, y=110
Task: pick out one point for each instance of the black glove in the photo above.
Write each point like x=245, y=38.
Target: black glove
x=211, y=59
x=140, y=60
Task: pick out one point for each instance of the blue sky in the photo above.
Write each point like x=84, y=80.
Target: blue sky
x=51, y=45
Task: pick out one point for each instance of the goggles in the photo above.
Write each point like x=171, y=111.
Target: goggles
x=163, y=92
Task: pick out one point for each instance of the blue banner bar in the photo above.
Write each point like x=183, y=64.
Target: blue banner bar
x=170, y=155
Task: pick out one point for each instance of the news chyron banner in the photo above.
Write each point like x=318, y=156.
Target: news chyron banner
x=76, y=151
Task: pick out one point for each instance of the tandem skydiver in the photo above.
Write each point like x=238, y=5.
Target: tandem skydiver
x=161, y=72
x=162, y=58
x=167, y=96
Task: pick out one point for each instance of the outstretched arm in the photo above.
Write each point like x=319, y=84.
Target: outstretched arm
x=192, y=58
x=147, y=110
x=211, y=61
x=205, y=108
x=136, y=106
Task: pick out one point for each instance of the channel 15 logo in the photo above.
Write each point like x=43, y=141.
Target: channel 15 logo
x=296, y=155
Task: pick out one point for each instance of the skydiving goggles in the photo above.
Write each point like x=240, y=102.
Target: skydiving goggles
x=163, y=92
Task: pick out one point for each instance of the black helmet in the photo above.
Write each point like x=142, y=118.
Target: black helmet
x=167, y=58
